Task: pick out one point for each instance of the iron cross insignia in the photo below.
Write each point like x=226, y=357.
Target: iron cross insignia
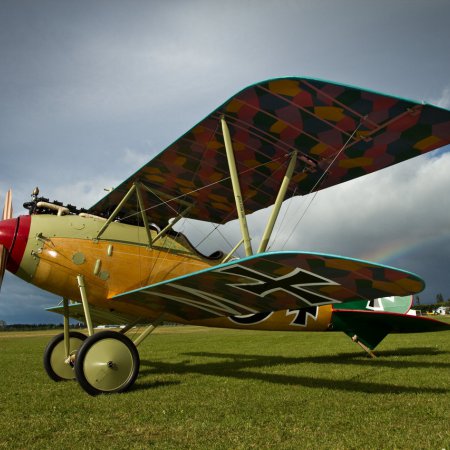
x=298, y=282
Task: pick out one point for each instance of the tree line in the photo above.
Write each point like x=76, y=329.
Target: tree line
x=428, y=307
x=33, y=327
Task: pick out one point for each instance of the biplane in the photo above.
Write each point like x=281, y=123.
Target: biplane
x=122, y=262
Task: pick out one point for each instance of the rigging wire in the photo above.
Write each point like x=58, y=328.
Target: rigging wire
x=319, y=181
x=280, y=226
x=178, y=197
x=183, y=222
x=216, y=226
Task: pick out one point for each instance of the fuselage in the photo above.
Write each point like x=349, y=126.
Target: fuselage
x=51, y=251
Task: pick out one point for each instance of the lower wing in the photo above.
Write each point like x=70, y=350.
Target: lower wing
x=272, y=282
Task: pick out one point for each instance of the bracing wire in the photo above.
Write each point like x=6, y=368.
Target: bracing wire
x=184, y=195
x=318, y=183
x=280, y=226
x=193, y=191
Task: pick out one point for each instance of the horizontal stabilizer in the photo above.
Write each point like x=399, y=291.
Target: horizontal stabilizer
x=272, y=282
x=372, y=327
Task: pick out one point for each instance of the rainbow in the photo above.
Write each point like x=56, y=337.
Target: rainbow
x=393, y=250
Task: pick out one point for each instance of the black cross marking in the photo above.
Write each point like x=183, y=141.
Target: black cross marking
x=301, y=315
x=294, y=283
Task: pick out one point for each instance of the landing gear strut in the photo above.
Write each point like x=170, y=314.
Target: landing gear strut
x=105, y=362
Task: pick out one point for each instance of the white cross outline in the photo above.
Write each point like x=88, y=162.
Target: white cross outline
x=206, y=301
x=378, y=303
x=235, y=319
x=326, y=282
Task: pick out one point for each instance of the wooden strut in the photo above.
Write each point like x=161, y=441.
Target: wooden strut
x=170, y=225
x=116, y=211
x=137, y=187
x=278, y=202
x=66, y=328
x=129, y=326
x=84, y=300
x=236, y=188
x=143, y=214
x=230, y=255
x=148, y=330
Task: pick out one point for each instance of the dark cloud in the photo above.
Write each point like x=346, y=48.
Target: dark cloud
x=90, y=90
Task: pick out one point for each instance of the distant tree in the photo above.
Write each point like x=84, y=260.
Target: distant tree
x=439, y=298
x=417, y=303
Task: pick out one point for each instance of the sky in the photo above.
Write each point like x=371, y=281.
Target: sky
x=92, y=90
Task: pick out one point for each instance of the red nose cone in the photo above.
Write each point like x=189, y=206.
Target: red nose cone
x=8, y=231
x=14, y=237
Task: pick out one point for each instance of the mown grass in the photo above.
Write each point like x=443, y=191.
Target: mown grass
x=223, y=389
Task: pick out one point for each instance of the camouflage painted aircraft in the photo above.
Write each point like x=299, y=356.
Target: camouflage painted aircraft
x=121, y=262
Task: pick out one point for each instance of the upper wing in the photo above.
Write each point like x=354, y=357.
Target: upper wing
x=267, y=122
x=271, y=282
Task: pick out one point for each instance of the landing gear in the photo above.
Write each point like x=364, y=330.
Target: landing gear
x=107, y=362
x=58, y=362
x=103, y=363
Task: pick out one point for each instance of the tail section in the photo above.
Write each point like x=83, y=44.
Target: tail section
x=399, y=305
x=370, y=322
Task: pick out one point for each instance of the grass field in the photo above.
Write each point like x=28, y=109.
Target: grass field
x=222, y=389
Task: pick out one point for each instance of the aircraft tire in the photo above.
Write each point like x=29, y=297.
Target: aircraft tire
x=54, y=356
x=107, y=362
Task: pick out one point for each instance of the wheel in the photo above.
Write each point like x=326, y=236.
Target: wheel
x=107, y=362
x=55, y=356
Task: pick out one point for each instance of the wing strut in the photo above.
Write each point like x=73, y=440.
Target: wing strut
x=236, y=188
x=66, y=328
x=136, y=187
x=143, y=214
x=116, y=211
x=277, y=205
x=229, y=256
x=84, y=300
x=172, y=223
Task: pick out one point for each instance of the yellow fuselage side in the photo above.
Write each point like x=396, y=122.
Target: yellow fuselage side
x=61, y=248
x=318, y=319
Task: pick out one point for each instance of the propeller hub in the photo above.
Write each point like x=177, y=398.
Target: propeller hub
x=8, y=231
x=14, y=237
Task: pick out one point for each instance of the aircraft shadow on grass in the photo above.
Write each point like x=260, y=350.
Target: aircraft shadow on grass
x=241, y=366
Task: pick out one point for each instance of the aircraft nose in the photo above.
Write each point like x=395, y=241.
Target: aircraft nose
x=13, y=238
x=8, y=232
